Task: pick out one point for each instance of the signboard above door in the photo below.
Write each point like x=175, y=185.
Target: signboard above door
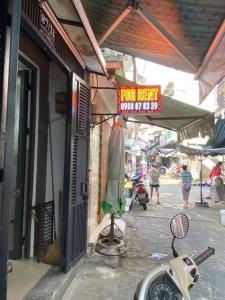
x=140, y=99
x=47, y=28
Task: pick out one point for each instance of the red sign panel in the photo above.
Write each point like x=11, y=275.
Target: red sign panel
x=140, y=99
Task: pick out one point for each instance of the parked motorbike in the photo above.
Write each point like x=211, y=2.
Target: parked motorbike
x=173, y=280
x=162, y=170
x=140, y=193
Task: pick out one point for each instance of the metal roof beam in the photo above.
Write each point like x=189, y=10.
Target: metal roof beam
x=162, y=31
x=104, y=87
x=115, y=24
x=70, y=22
x=191, y=123
x=177, y=118
x=150, y=123
x=83, y=17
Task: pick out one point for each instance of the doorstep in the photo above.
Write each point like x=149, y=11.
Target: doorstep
x=54, y=284
x=24, y=275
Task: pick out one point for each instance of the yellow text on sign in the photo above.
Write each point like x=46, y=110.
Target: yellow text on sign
x=145, y=94
x=128, y=94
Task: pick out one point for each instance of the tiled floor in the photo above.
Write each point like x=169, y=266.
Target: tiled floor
x=24, y=276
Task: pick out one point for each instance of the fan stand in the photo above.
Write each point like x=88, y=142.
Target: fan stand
x=110, y=244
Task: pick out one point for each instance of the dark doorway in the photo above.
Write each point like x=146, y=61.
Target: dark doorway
x=76, y=175
x=22, y=165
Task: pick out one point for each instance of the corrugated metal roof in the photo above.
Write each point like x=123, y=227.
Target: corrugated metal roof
x=192, y=23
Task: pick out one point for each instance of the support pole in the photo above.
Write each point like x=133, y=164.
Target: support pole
x=8, y=161
x=111, y=232
x=93, y=126
x=202, y=203
x=201, y=198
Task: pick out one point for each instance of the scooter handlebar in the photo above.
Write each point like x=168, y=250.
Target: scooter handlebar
x=204, y=255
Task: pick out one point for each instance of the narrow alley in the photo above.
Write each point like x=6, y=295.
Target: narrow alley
x=91, y=93
x=148, y=240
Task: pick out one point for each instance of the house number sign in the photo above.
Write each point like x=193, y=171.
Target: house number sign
x=47, y=29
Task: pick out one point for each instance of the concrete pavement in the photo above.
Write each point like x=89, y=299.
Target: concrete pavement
x=147, y=235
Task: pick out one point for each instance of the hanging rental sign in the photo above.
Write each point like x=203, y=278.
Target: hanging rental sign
x=140, y=99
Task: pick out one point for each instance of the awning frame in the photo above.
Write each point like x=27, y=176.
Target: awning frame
x=135, y=5
x=90, y=34
x=149, y=123
x=205, y=84
x=85, y=24
x=211, y=50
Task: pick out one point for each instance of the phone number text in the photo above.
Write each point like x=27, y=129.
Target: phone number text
x=139, y=106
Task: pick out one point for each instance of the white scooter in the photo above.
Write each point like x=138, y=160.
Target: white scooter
x=173, y=281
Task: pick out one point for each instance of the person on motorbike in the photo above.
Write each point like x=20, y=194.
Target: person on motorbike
x=140, y=180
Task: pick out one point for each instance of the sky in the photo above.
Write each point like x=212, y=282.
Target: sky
x=186, y=88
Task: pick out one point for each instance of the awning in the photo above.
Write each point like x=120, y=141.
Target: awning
x=71, y=21
x=212, y=69
x=186, y=119
x=167, y=152
x=218, y=139
x=171, y=145
x=201, y=128
x=205, y=152
x=172, y=33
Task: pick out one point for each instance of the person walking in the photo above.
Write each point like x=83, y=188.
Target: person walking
x=217, y=189
x=216, y=170
x=154, y=181
x=186, y=181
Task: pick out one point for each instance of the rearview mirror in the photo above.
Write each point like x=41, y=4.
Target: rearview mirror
x=179, y=226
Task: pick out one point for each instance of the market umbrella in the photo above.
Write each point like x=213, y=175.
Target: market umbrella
x=114, y=195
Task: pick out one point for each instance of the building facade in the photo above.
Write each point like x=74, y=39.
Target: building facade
x=45, y=134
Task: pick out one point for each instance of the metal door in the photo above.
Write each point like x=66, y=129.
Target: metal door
x=74, y=232
x=6, y=150
x=19, y=165
x=3, y=223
